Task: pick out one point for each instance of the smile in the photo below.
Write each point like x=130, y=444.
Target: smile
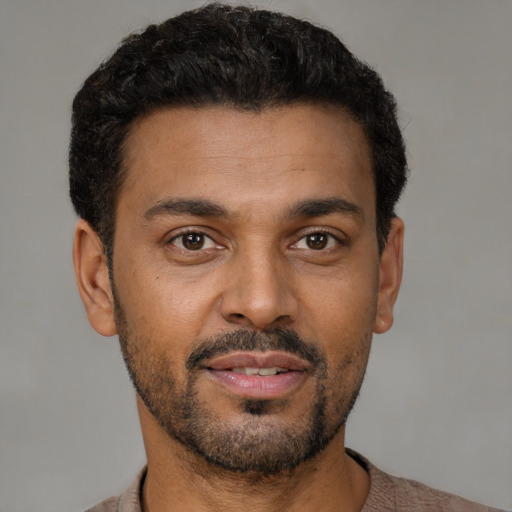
x=260, y=371
x=258, y=375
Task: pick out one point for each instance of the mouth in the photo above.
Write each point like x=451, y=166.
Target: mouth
x=264, y=372
x=258, y=375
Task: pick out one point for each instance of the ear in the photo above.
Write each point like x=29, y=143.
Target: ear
x=92, y=279
x=390, y=276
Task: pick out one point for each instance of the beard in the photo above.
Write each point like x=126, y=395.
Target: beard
x=260, y=439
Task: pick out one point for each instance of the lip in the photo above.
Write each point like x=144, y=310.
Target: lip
x=258, y=360
x=255, y=386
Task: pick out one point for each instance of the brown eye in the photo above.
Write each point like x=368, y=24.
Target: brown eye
x=193, y=241
x=317, y=241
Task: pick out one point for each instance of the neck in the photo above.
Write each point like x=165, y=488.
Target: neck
x=180, y=480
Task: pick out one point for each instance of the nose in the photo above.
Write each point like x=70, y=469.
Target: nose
x=260, y=292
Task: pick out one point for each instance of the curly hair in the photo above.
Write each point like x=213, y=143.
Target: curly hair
x=236, y=57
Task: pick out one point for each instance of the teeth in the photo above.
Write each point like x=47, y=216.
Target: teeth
x=268, y=371
x=260, y=371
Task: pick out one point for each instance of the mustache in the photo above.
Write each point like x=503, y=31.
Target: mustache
x=286, y=340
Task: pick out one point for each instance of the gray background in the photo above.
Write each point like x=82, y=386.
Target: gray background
x=436, y=405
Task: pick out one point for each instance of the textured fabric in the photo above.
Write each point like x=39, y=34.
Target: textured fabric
x=129, y=501
x=387, y=494
x=393, y=494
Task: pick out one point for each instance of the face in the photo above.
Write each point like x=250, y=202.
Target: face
x=246, y=278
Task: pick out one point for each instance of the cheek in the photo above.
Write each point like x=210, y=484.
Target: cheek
x=161, y=310
x=343, y=308
x=342, y=317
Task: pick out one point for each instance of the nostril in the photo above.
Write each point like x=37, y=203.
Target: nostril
x=239, y=319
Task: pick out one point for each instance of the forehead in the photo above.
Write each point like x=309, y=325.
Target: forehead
x=272, y=155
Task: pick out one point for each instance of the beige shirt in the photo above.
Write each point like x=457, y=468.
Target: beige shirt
x=387, y=494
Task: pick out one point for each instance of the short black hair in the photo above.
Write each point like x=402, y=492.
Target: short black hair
x=236, y=57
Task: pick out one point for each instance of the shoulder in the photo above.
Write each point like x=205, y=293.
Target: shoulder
x=409, y=493
x=128, y=501
x=109, y=505
x=391, y=493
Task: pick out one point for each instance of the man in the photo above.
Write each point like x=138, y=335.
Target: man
x=235, y=172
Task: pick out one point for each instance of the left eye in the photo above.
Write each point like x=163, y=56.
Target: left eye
x=316, y=241
x=193, y=241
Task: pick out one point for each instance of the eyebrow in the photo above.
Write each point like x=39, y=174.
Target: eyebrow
x=319, y=207
x=196, y=207
x=206, y=208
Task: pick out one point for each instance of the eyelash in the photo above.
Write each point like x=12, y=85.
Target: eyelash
x=332, y=241
x=182, y=236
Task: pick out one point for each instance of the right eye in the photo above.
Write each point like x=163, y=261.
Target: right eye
x=193, y=241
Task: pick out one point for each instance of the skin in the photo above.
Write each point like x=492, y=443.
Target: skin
x=255, y=271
